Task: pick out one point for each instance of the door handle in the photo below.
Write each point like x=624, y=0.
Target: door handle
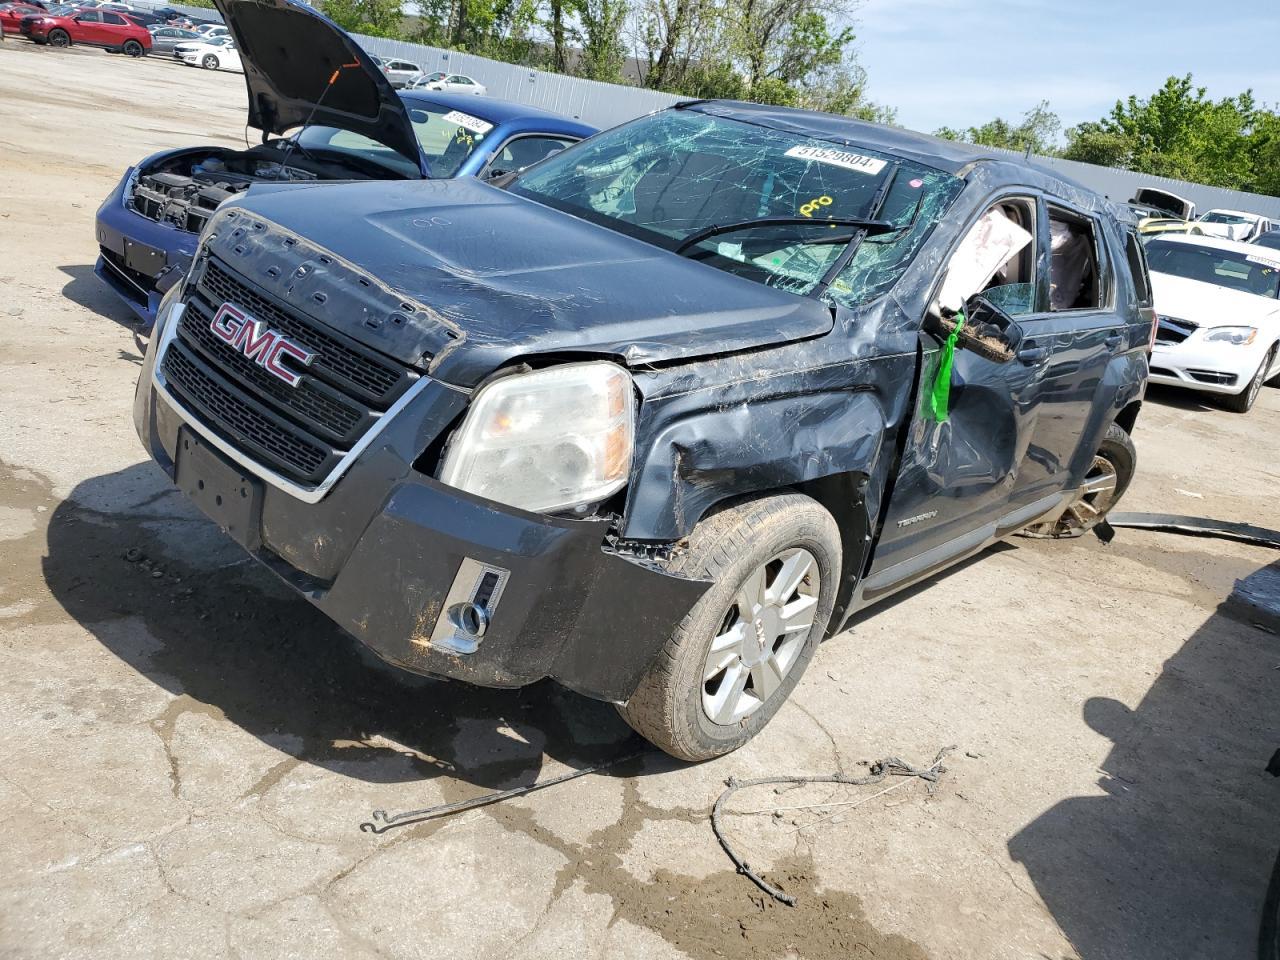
x=1114, y=340
x=1030, y=354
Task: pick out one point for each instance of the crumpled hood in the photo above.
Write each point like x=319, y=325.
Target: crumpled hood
x=297, y=61
x=494, y=277
x=1209, y=305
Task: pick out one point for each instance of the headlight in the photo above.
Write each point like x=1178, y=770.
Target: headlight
x=1241, y=336
x=547, y=441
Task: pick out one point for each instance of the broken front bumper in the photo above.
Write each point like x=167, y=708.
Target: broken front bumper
x=394, y=556
x=139, y=258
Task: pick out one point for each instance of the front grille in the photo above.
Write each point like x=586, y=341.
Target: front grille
x=139, y=282
x=246, y=424
x=375, y=378
x=301, y=432
x=332, y=414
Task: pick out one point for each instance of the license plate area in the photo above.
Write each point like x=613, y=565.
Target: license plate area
x=226, y=494
x=142, y=258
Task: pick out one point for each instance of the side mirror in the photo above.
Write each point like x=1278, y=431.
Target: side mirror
x=494, y=173
x=988, y=330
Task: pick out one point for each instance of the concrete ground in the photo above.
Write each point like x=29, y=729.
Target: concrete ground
x=187, y=751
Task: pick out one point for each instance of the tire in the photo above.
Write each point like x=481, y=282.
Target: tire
x=1117, y=459
x=210, y=62
x=766, y=537
x=1243, y=401
x=133, y=48
x=58, y=38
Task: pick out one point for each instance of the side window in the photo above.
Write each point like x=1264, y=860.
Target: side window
x=89, y=16
x=996, y=258
x=526, y=151
x=460, y=80
x=1073, y=262
x=1138, y=267
x=113, y=18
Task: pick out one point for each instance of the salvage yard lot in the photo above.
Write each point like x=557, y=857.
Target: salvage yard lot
x=188, y=750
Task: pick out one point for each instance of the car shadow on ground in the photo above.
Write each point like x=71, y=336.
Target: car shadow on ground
x=85, y=289
x=1173, y=858
x=1179, y=398
x=228, y=635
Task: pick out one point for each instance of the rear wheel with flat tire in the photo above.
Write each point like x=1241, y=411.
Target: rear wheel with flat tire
x=210, y=62
x=133, y=48
x=735, y=658
x=1243, y=401
x=1104, y=484
x=59, y=38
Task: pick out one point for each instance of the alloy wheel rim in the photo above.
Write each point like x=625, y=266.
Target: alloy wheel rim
x=1095, y=495
x=761, y=636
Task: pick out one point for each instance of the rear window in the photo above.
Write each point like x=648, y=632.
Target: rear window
x=1258, y=274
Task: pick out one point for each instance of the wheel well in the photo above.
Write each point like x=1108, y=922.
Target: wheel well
x=1127, y=417
x=844, y=497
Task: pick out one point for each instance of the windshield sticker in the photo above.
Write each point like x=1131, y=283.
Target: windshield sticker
x=838, y=158
x=814, y=205
x=474, y=124
x=1266, y=263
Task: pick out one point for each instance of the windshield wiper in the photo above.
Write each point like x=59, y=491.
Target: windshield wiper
x=864, y=228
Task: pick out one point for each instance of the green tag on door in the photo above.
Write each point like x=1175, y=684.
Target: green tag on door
x=937, y=401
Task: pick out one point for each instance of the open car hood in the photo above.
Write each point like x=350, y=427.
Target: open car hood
x=300, y=67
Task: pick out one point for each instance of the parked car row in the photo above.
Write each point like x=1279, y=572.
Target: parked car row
x=116, y=27
x=404, y=73
x=725, y=374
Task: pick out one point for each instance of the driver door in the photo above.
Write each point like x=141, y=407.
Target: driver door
x=953, y=489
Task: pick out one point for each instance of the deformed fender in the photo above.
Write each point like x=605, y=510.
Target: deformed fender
x=693, y=463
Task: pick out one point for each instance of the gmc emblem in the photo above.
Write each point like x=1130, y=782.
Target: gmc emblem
x=258, y=342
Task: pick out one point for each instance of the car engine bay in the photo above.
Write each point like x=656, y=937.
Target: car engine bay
x=185, y=190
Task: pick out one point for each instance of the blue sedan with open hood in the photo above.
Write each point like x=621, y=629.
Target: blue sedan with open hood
x=337, y=119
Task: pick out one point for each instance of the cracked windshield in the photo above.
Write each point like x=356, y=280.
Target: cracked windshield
x=668, y=178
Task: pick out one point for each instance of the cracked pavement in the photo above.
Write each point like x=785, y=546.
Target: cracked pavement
x=187, y=750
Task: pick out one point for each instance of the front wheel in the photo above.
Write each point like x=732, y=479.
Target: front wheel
x=133, y=48
x=210, y=62
x=735, y=658
x=59, y=38
x=1104, y=484
x=1243, y=401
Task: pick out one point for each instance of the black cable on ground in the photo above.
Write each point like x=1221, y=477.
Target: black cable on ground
x=1192, y=527
x=890, y=766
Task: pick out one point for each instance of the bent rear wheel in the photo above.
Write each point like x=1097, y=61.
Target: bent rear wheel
x=1104, y=484
x=210, y=62
x=59, y=38
x=735, y=658
x=1243, y=401
x=133, y=48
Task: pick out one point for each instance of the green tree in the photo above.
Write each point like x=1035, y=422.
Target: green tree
x=1037, y=132
x=1178, y=132
x=375, y=18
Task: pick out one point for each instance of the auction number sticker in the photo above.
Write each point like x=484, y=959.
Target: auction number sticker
x=466, y=120
x=1266, y=263
x=838, y=158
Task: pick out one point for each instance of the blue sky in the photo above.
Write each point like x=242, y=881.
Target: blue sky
x=961, y=62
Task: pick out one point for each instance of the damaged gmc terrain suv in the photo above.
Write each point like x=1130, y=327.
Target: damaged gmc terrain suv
x=657, y=415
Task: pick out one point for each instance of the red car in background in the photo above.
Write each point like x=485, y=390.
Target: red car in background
x=12, y=14
x=95, y=28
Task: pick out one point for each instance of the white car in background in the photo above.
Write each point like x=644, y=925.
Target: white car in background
x=1231, y=225
x=449, y=82
x=1218, y=303
x=401, y=73
x=217, y=54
